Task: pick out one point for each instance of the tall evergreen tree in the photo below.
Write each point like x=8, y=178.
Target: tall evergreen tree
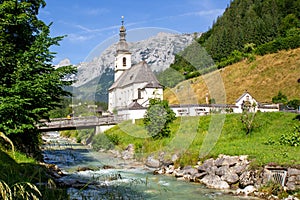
x=29, y=85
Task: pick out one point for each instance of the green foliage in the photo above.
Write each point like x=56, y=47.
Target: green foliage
x=29, y=85
x=192, y=61
x=114, y=138
x=292, y=138
x=291, y=41
x=280, y=98
x=101, y=141
x=20, y=173
x=250, y=21
x=63, y=110
x=248, y=116
x=294, y=104
x=158, y=117
x=272, y=188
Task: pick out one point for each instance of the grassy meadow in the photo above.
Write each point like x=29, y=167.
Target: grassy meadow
x=196, y=138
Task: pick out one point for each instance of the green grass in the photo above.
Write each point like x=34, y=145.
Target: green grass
x=188, y=134
x=18, y=168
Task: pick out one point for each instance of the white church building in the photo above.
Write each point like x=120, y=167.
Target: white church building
x=133, y=85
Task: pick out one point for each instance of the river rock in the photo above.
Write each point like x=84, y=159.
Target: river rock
x=293, y=172
x=214, y=181
x=206, y=165
x=221, y=171
x=247, y=178
x=198, y=176
x=189, y=170
x=224, y=160
x=152, y=162
x=174, y=157
x=179, y=173
x=239, y=168
x=247, y=190
x=230, y=178
x=128, y=153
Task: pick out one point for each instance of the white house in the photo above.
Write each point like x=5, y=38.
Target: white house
x=133, y=85
x=245, y=98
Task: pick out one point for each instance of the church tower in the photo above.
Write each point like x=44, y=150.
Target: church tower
x=123, y=56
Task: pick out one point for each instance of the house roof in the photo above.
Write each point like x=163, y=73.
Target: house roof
x=243, y=95
x=138, y=73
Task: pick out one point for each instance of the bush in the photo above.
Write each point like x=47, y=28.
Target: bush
x=114, y=138
x=292, y=138
x=101, y=141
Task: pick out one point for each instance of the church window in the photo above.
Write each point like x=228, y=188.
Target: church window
x=124, y=62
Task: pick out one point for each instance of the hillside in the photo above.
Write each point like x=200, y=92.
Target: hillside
x=263, y=78
x=250, y=21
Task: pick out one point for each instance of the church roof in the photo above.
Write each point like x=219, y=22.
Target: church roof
x=138, y=73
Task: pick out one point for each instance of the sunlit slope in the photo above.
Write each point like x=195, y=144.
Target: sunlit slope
x=263, y=78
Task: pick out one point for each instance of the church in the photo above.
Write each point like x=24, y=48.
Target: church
x=134, y=85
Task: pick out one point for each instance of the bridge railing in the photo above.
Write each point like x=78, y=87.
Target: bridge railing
x=74, y=122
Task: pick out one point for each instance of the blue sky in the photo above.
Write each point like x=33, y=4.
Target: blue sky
x=91, y=22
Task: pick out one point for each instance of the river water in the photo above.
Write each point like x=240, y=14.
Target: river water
x=96, y=175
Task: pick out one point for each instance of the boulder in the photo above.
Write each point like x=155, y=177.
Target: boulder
x=198, y=176
x=293, y=172
x=214, y=181
x=247, y=178
x=223, y=170
x=224, y=160
x=189, y=170
x=206, y=165
x=128, y=153
x=174, y=157
x=247, y=190
x=212, y=170
x=239, y=168
x=152, y=163
x=179, y=173
x=230, y=178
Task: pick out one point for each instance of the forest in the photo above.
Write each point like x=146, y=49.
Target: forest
x=246, y=28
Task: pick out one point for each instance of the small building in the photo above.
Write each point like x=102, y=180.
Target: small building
x=245, y=100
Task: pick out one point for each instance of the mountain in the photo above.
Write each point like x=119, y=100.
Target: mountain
x=158, y=51
x=95, y=77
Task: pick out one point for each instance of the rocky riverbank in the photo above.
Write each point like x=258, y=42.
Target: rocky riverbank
x=233, y=173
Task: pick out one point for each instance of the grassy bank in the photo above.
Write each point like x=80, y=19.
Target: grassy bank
x=189, y=133
x=16, y=170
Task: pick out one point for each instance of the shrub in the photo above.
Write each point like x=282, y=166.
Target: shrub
x=100, y=141
x=292, y=138
x=114, y=138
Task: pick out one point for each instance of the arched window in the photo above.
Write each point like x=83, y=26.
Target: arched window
x=124, y=62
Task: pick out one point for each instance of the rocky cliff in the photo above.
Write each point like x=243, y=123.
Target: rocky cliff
x=158, y=51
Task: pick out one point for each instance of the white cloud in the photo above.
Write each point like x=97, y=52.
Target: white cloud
x=78, y=37
x=214, y=12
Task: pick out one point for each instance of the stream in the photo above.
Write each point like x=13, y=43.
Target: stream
x=99, y=175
